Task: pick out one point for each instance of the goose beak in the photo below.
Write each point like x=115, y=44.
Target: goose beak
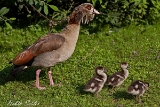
x=95, y=11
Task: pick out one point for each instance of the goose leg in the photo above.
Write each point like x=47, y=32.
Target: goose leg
x=51, y=80
x=50, y=77
x=37, y=80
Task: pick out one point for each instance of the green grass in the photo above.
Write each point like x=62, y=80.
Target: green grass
x=92, y=50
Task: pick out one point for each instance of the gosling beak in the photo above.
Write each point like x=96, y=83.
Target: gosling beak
x=128, y=66
x=105, y=70
x=95, y=11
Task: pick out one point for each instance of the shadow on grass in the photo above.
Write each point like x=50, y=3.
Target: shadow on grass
x=24, y=76
x=80, y=90
x=4, y=77
x=122, y=94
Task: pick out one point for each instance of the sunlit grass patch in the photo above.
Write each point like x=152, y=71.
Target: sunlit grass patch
x=137, y=45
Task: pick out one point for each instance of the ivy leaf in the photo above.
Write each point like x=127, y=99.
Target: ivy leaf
x=30, y=2
x=94, y=2
x=41, y=3
x=49, y=1
x=39, y=6
x=29, y=15
x=20, y=7
x=39, y=9
x=12, y=18
x=3, y=11
x=45, y=9
x=55, y=8
x=36, y=2
x=8, y=25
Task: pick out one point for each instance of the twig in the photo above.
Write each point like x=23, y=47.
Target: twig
x=70, y=7
x=58, y=21
x=27, y=9
x=39, y=12
x=51, y=22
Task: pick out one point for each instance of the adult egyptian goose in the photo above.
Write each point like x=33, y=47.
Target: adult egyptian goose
x=96, y=83
x=54, y=48
x=138, y=88
x=118, y=78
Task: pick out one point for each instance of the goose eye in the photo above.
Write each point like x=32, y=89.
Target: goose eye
x=89, y=7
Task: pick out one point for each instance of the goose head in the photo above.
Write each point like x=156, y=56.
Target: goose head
x=124, y=65
x=83, y=13
x=100, y=70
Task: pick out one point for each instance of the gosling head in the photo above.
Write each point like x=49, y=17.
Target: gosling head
x=100, y=70
x=124, y=65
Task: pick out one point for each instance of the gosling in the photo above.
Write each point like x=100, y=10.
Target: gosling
x=138, y=88
x=96, y=83
x=116, y=79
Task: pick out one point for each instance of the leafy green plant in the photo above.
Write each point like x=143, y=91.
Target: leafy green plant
x=153, y=11
x=113, y=12
x=123, y=12
x=4, y=11
x=42, y=5
x=28, y=10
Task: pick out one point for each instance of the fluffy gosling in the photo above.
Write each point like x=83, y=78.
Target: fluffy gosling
x=96, y=83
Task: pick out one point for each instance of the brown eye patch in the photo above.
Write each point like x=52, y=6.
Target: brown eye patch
x=89, y=7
